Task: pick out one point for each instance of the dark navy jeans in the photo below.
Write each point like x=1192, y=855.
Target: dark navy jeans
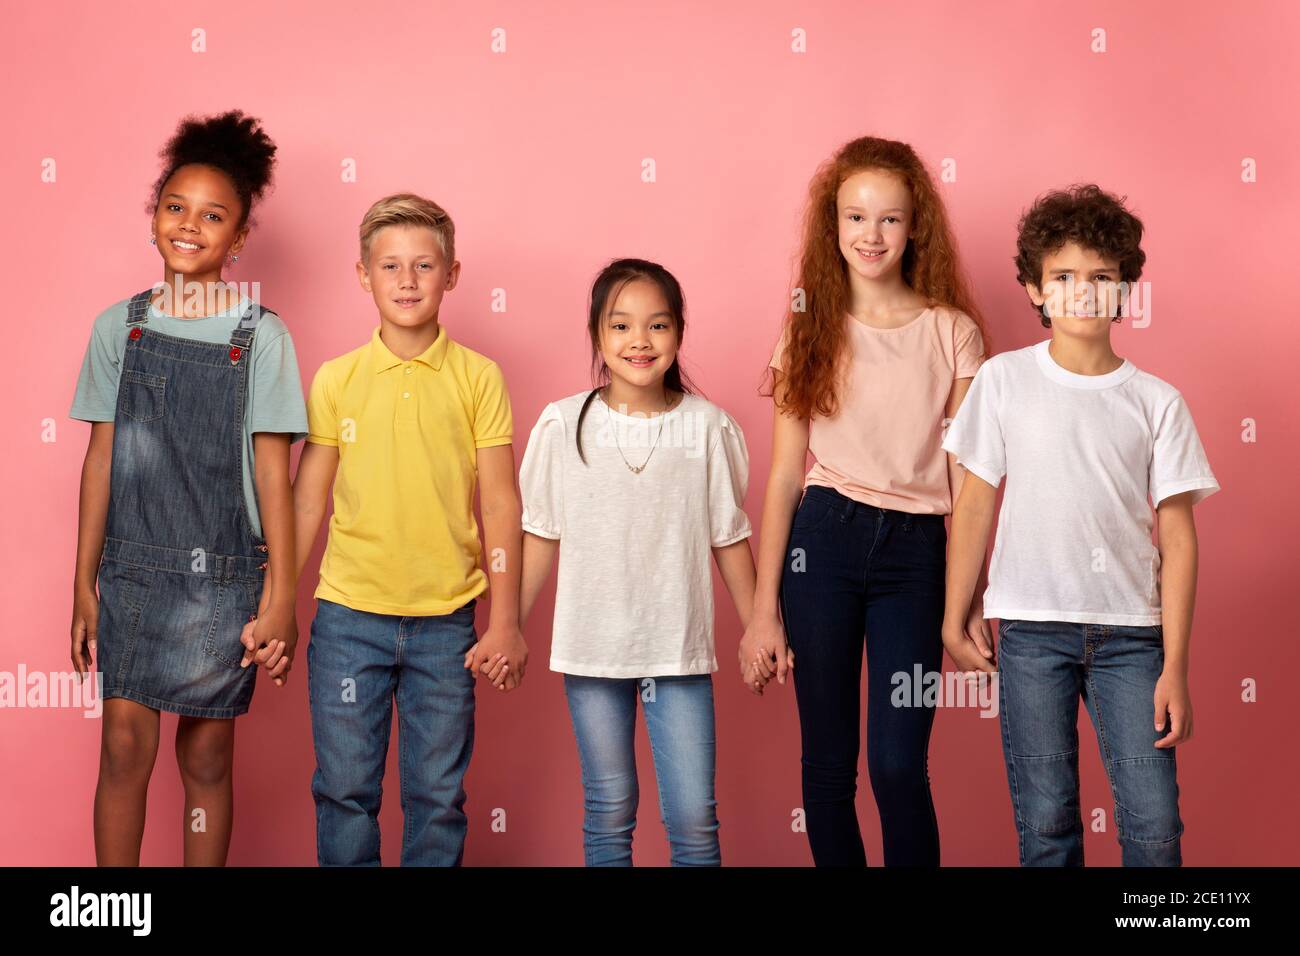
x=855, y=576
x=1044, y=667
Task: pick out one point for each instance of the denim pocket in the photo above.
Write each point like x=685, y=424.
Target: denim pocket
x=143, y=395
x=1141, y=632
x=235, y=603
x=812, y=513
x=124, y=590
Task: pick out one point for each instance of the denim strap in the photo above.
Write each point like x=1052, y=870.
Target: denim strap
x=242, y=336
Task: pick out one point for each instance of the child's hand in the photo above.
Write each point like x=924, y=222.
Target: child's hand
x=964, y=649
x=248, y=640
x=977, y=629
x=85, y=628
x=491, y=668
x=500, y=655
x=270, y=641
x=1173, y=709
x=764, y=654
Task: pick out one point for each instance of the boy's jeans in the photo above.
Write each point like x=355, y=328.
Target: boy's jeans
x=357, y=662
x=679, y=717
x=1043, y=669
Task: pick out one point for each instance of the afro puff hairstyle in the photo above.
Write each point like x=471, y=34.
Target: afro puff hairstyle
x=231, y=142
x=1083, y=214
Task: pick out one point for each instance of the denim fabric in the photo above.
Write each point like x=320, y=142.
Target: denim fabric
x=358, y=663
x=853, y=570
x=182, y=569
x=1044, y=667
x=679, y=718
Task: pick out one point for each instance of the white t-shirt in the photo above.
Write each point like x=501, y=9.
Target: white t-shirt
x=1082, y=455
x=635, y=591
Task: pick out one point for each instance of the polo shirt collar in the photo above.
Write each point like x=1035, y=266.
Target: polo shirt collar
x=383, y=359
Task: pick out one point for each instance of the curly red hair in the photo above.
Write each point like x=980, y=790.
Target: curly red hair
x=816, y=336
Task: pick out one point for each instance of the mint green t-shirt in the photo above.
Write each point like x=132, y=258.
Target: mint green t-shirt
x=274, y=401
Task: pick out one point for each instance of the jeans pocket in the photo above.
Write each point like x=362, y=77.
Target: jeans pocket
x=812, y=513
x=124, y=590
x=234, y=604
x=143, y=395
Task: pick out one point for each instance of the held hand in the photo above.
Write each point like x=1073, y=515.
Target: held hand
x=248, y=640
x=500, y=655
x=977, y=629
x=492, y=668
x=1173, y=707
x=85, y=629
x=764, y=654
x=963, y=649
x=274, y=640
x=247, y=637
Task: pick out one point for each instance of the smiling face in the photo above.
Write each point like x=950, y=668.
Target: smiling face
x=196, y=223
x=874, y=212
x=638, y=337
x=407, y=274
x=1081, y=290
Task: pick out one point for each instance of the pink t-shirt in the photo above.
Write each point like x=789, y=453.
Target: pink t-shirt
x=883, y=447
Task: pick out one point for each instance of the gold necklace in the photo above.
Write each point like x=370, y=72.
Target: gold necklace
x=635, y=469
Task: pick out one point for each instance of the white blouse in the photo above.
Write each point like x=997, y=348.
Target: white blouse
x=634, y=597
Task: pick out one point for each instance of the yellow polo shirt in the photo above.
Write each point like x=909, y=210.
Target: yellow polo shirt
x=403, y=538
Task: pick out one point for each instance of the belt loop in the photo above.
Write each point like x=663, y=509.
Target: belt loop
x=907, y=521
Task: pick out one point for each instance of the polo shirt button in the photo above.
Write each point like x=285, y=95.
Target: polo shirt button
x=406, y=395
x=409, y=370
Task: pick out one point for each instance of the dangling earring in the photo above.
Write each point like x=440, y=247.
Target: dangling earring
x=234, y=258
x=153, y=240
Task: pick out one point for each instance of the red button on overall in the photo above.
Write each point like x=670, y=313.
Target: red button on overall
x=234, y=354
x=136, y=333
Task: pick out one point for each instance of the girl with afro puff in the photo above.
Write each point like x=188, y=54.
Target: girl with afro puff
x=193, y=392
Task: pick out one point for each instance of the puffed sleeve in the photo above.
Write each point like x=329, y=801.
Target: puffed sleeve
x=728, y=480
x=541, y=476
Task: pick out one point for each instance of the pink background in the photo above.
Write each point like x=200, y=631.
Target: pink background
x=536, y=153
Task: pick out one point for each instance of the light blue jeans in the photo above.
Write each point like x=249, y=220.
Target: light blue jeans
x=679, y=718
x=1044, y=667
x=358, y=663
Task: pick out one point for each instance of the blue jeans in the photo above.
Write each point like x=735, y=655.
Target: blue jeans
x=859, y=577
x=1044, y=667
x=679, y=717
x=357, y=663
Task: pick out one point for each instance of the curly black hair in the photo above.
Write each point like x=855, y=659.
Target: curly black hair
x=232, y=142
x=1084, y=214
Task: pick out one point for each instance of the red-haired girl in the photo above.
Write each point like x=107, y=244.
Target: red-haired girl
x=879, y=347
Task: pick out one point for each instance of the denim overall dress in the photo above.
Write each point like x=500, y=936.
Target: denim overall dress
x=182, y=569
